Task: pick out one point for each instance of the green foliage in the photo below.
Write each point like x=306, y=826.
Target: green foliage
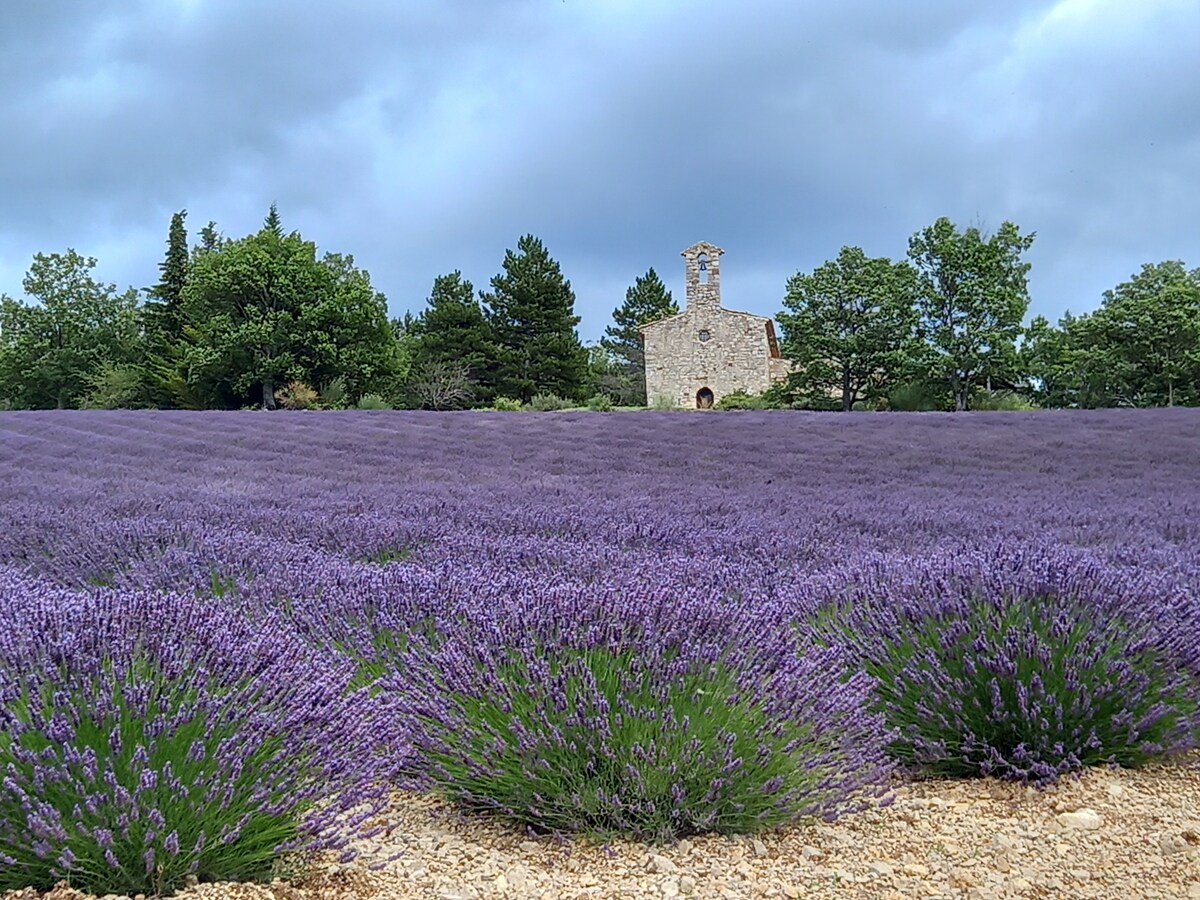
x=263, y=310
x=647, y=300
x=162, y=313
x=611, y=377
x=52, y=348
x=507, y=404
x=972, y=298
x=662, y=402
x=918, y=396
x=548, y=403
x=743, y=400
x=849, y=328
x=551, y=787
x=600, y=403
x=116, y=386
x=1002, y=401
x=452, y=334
x=251, y=857
x=1140, y=348
x=334, y=394
x=531, y=310
x=372, y=401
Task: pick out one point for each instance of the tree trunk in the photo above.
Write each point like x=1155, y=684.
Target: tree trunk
x=268, y=394
x=847, y=404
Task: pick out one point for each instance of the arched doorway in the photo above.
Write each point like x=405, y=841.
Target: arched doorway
x=704, y=398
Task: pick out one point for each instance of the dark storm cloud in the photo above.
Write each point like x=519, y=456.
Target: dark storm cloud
x=427, y=136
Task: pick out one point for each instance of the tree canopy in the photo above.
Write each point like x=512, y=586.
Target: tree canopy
x=531, y=310
x=849, y=327
x=971, y=302
x=52, y=349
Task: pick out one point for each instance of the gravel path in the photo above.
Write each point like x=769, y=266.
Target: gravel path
x=1109, y=834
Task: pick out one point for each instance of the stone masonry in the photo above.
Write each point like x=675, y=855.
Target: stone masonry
x=695, y=358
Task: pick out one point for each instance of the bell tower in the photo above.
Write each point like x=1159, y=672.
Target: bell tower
x=702, y=275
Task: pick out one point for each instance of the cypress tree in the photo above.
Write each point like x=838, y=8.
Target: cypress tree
x=531, y=309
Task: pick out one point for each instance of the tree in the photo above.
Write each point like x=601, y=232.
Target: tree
x=210, y=238
x=441, y=385
x=848, y=327
x=263, y=311
x=163, y=324
x=1063, y=366
x=647, y=300
x=972, y=298
x=51, y=350
x=452, y=334
x=1140, y=348
x=1147, y=331
x=531, y=310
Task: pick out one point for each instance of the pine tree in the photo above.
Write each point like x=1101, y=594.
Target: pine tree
x=646, y=301
x=531, y=310
x=272, y=222
x=210, y=238
x=452, y=332
x=163, y=323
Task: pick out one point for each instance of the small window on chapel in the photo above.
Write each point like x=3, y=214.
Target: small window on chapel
x=704, y=334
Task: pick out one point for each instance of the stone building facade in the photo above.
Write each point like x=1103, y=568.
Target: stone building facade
x=695, y=358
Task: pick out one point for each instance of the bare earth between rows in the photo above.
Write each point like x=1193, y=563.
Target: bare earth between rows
x=1108, y=834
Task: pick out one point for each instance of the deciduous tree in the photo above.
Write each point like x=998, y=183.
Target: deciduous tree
x=51, y=349
x=972, y=299
x=263, y=311
x=848, y=326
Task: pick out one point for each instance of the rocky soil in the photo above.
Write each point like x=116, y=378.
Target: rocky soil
x=1108, y=834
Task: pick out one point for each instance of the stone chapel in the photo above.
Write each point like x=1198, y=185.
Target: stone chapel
x=695, y=358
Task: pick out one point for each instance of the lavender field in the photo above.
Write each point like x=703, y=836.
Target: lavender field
x=653, y=624
x=742, y=504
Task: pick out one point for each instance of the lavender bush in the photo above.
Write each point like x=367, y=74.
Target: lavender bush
x=148, y=737
x=1021, y=664
x=645, y=716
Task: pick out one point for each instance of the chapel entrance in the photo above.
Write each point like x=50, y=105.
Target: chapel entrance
x=704, y=398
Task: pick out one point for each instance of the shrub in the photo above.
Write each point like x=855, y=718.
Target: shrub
x=296, y=395
x=600, y=403
x=1001, y=401
x=506, y=404
x=588, y=715
x=372, y=401
x=916, y=397
x=664, y=402
x=115, y=386
x=334, y=394
x=548, y=403
x=148, y=737
x=743, y=400
x=1023, y=666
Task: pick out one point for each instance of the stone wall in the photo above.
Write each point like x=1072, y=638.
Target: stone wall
x=736, y=356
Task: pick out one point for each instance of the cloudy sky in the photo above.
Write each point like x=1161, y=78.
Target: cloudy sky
x=425, y=136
